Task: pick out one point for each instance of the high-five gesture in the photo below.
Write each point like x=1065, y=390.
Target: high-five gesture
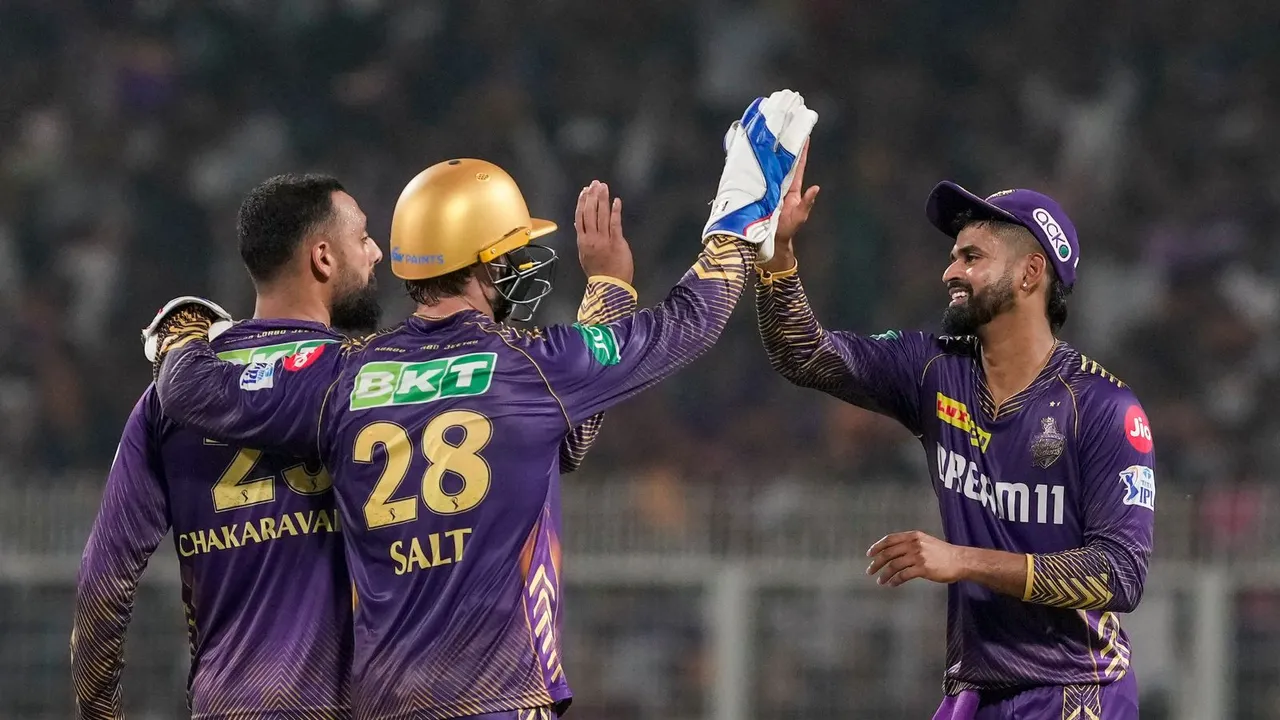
x=796, y=206
x=762, y=150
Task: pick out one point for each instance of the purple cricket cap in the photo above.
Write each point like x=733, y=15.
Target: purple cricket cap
x=1034, y=211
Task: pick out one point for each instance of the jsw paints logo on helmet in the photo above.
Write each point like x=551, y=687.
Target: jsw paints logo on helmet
x=1052, y=230
x=410, y=259
x=379, y=384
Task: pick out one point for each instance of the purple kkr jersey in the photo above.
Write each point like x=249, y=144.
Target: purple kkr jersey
x=444, y=438
x=264, y=581
x=1062, y=471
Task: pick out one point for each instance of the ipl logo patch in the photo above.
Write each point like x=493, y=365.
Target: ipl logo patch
x=258, y=376
x=1139, y=486
x=1047, y=447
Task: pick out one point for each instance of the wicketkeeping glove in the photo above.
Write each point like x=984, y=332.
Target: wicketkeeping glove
x=760, y=151
x=180, y=320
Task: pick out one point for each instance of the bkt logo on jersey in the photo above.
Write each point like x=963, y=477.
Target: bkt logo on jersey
x=379, y=384
x=1139, y=486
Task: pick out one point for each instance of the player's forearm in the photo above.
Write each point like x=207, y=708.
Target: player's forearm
x=606, y=299
x=1087, y=578
x=690, y=320
x=1003, y=572
x=198, y=390
x=96, y=661
x=798, y=347
x=249, y=405
x=103, y=607
x=576, y=445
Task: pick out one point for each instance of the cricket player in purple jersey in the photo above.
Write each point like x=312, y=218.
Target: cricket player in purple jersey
x=442, y=434
x=264, y=581
x=1041, y=460
x=265, y=584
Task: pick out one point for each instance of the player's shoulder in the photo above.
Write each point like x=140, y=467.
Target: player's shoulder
x=148, y=416
x=544, y=342
x=1097, y=390
x=934, y=351
x=248, y=341
x=960, y=345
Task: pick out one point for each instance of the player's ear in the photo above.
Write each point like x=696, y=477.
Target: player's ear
x=324, y=260
x=1033, y=272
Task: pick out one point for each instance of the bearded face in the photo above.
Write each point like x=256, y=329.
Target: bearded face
x=970, y=309
x=356, y=309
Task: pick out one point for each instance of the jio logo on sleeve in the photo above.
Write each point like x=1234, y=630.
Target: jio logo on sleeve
x=1138, y=429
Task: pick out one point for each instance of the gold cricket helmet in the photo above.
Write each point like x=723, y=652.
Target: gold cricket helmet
x=458, y=213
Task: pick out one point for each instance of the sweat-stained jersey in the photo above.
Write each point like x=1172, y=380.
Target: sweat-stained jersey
x=264, y=580
x=1063, y=471
x=443, y=437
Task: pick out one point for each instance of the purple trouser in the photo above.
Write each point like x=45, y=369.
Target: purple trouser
x=1117, y=701
x=546, y=713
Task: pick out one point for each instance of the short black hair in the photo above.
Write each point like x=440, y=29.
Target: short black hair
x=276, y=215
x=433, y=290
x=1057, y=293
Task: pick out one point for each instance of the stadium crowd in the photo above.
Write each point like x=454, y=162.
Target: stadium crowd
x=132, y=129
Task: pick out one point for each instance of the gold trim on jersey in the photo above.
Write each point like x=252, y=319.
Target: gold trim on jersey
x=1081, y=702
x=1092, y=367
x=767, y=277
x=610, y=280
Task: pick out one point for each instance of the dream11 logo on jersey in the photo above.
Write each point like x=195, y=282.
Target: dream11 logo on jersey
x=1138, y=429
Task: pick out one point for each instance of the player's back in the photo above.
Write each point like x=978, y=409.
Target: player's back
x=264, y=580
x=444, y=436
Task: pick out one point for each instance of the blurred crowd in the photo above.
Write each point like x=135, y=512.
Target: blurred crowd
x=130, y=129
x=133, y=128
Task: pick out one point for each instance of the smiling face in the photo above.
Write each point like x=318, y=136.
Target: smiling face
x=989, y=263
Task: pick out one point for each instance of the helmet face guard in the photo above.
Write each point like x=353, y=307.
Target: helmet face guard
x=522, y=277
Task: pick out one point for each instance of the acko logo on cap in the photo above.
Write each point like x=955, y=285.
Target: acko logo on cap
x=1051, y=228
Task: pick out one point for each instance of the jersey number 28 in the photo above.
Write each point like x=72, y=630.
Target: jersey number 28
x=462, y=460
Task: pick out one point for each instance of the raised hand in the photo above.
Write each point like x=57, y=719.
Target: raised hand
x=602, y=248
x=797, y=203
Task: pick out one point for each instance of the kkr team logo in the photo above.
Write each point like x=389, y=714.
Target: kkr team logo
x=1047, y=447
x=379, y=384
x=1139, y=486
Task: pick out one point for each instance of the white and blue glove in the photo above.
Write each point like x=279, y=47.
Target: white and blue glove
x=761, y=152
x=186, y=316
